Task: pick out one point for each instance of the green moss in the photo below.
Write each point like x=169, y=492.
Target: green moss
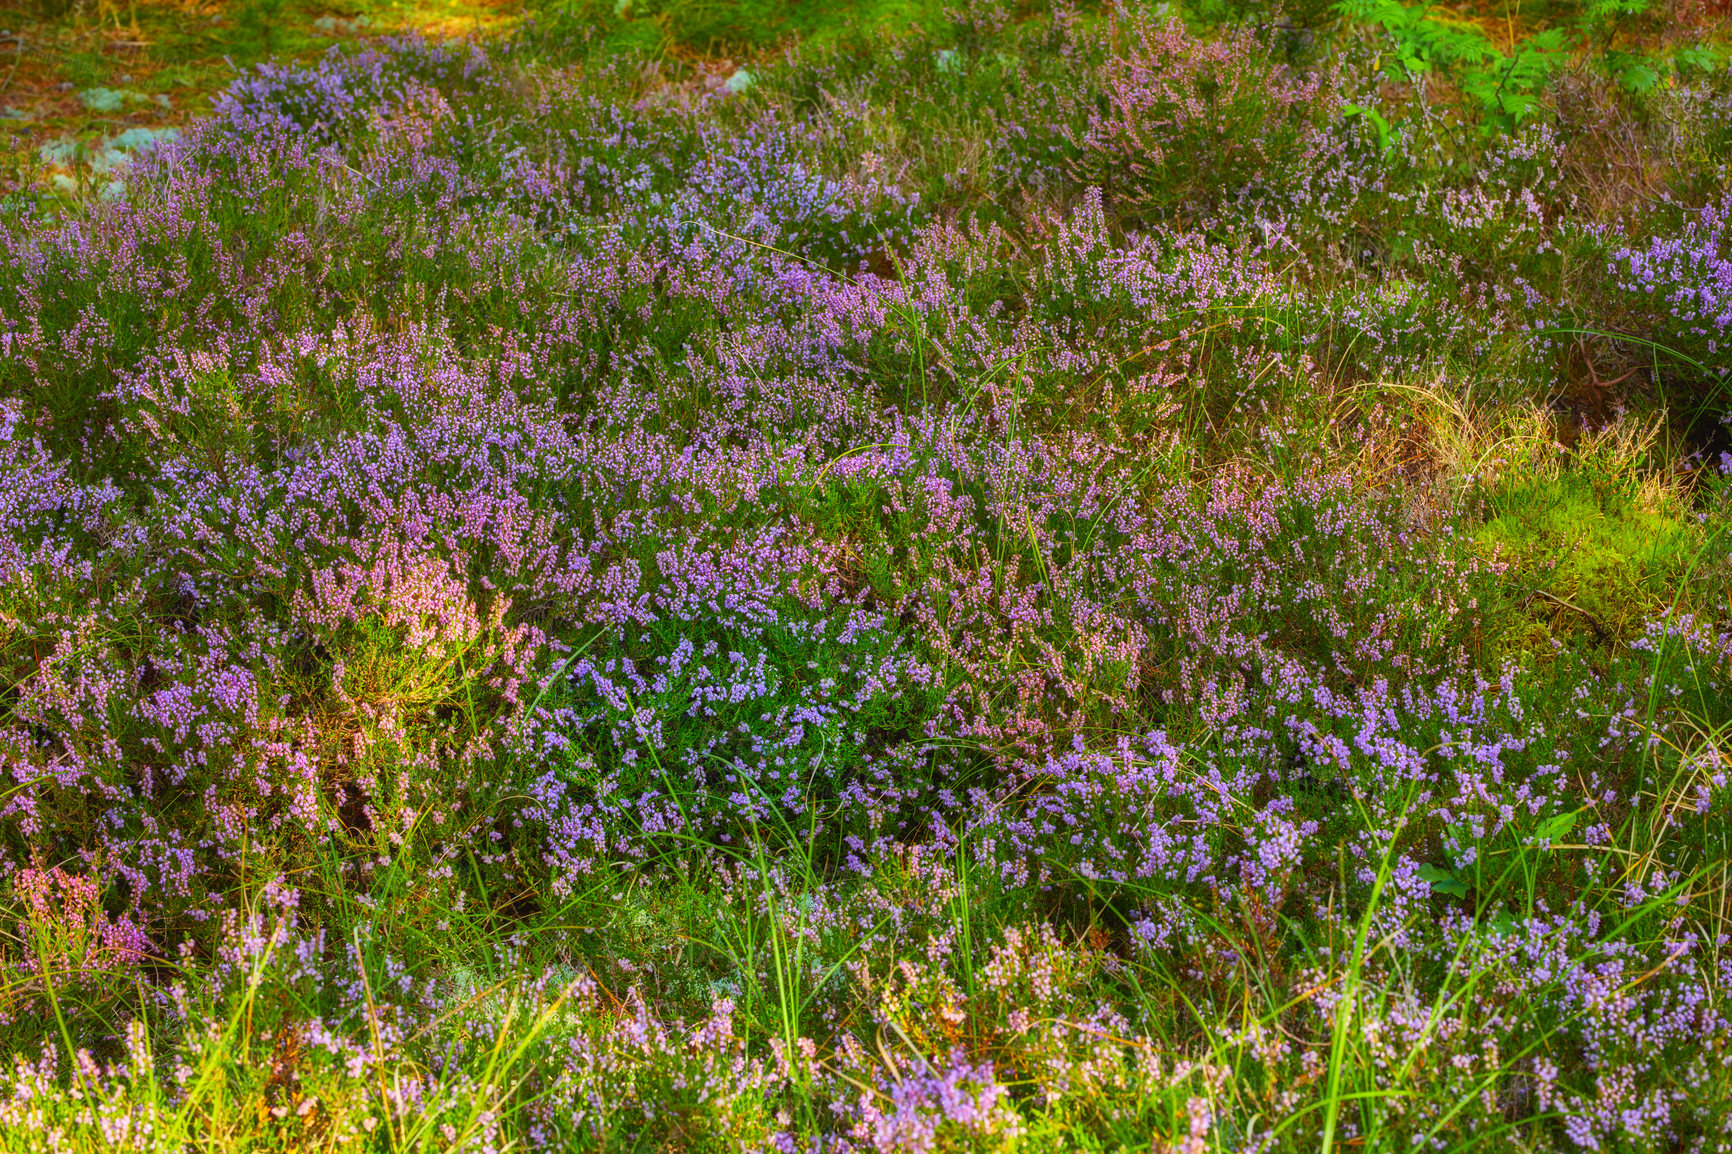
x=1585, y=558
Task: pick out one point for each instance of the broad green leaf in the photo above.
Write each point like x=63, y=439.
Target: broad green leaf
x=1443, y=881
x=1558, y=827
x=1639, y=77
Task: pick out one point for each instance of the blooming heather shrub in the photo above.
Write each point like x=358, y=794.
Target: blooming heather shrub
x=757, y=186
x=935, y=1107
x=1148, y=290
x=509, y=635
x=738, y=718
x=71, y=944
x=1192, y=126
x=1047, y=109
x=329, y=101
x=1682, y=285
x=288, y=101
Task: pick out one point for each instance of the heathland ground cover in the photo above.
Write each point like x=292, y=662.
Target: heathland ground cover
x=1013, y=577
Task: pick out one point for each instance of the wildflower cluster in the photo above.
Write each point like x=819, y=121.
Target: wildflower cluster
x=553, y=604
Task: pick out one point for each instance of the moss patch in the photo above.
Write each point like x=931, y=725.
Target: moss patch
x=1586, y=558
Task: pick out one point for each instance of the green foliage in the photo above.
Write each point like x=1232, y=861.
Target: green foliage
x=1420, y=42
x=1378, y=122
x=1443, y=881
x=1505, y=85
